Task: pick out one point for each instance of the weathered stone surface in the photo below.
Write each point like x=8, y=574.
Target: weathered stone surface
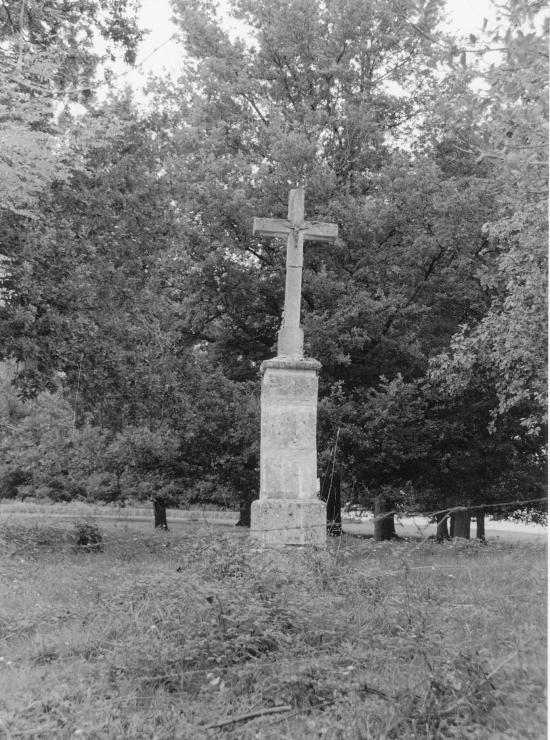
x=277, y=523
x=288, y=510
x=288, y=451
x=290, y=341
x=285, y=363
x=292, y=477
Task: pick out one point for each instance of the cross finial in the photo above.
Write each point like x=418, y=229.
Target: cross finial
x=291, y=335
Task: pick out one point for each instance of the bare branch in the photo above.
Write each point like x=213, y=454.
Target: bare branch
x=249, y=715
x=21, y=39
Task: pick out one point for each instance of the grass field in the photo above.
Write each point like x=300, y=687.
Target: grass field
x=194, y=633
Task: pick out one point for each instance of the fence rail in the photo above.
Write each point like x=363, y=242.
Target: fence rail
x=115, y=512
x=421, y=521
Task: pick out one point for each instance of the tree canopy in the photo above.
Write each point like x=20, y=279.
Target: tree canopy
x=50, y=60
x=135, y=292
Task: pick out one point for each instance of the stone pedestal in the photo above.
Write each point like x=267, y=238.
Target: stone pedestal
x=288, y=511
x=286, y=522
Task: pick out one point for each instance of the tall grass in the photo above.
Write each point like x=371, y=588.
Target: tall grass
x=197, y=633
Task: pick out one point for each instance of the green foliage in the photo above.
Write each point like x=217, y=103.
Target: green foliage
x=316, y=110
x=49, y=61
x=88, y=537
x=314, y=107
x=508, y=344
x=431, y=449
x=206, y=448
x=139, y=306
x=35, y=443
x=82, y=284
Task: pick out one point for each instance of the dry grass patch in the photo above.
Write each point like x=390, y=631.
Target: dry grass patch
x=164, y=635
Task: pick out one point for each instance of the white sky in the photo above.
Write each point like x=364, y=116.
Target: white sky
x=157, y=53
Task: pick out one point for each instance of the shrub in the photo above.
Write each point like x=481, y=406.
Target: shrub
x=11, y=480
x=88, y=537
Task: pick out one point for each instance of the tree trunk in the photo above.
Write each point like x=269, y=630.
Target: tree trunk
x=460, y=523
x=384, y=526
x=480, y=525
x=245, y=502
x=159, y=507
x=442, y=531
x=330, y=493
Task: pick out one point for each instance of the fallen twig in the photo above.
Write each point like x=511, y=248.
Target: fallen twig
x=249, y=715
x=506, y=660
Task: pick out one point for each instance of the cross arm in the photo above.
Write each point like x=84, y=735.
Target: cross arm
x=312, y=230
x=320, y=232
x=271, y=227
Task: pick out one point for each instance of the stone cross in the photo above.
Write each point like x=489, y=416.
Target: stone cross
x=291, y=337
x=289, y=511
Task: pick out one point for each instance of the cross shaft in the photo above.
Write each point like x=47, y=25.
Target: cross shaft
x=297, y=230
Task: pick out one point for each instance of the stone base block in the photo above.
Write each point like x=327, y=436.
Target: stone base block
x=278, y=522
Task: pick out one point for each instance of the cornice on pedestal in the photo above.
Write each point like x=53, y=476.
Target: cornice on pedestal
x=290, y=363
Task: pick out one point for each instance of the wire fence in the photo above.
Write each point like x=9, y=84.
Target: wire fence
x=431, y=515
x=210, y=517
x=193, y=514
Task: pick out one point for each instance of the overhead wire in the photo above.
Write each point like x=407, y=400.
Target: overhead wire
x=399, y=514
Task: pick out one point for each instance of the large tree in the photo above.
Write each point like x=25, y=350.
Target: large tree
x=508, y=343
x=328, y=95
x=168, y=303
x=82, y=288
x=93, y=315
x=331, y=96
x=386, y=124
